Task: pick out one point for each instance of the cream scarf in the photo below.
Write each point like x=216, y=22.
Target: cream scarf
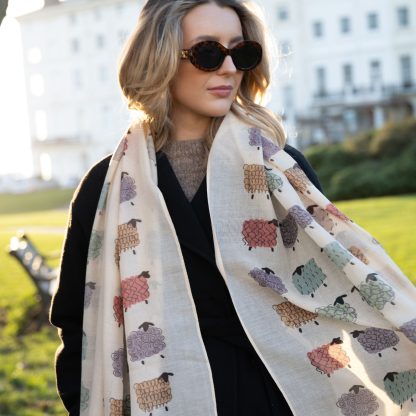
x=329, y=313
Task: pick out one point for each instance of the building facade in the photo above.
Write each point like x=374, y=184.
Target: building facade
x=76, y=110
x=345, y=66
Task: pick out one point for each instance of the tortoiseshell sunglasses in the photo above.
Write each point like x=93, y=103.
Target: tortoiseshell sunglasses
x=209, y=55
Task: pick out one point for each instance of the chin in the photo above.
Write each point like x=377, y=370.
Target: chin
x=220, y=110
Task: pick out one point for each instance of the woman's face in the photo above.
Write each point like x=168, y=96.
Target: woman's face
x=191, y=86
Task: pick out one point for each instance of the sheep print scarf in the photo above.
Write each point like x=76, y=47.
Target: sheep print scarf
x=328, y=312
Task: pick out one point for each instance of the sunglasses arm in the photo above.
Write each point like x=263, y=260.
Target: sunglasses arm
x=185, y=53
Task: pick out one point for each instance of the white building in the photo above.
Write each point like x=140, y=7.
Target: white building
x=350, y=66
x=76, y=110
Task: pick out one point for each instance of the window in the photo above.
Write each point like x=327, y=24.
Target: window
x=80, y=116
x=77, y=79
x=37, y=85
x=345, y=23
x=347, y=74
x=372, y=21
x=41, y=125
x=375, y=73
x=403, y=16
x=406, y=70
x=321, y=80
x=102, y=74
x=99, y=41
x=288, y=97
x=318, y=30
x=282, y=13
x=105, y=114
x=75, y=45
x=122, y=36
x=45, y=166
x=72, y=19
x=285, y=47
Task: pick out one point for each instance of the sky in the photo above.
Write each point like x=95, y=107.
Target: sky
x=15, y=156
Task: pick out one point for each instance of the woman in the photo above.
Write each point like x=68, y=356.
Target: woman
x=167, y=295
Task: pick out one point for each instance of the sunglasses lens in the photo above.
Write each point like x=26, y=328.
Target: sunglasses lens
x=247, y=56
x=208, y=56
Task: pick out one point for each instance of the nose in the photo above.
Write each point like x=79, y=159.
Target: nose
x=227, y=66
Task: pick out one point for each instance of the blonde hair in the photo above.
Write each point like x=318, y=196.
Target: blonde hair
x=151, y=56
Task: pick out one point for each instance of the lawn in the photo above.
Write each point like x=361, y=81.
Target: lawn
x=27, y=383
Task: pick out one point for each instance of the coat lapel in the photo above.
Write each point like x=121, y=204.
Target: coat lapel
x=191, y=219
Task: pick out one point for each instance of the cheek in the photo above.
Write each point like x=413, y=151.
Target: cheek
x=188, y=84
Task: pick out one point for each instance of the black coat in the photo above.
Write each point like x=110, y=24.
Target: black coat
x=242, y=384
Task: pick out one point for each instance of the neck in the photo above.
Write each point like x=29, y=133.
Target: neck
x=189, y=126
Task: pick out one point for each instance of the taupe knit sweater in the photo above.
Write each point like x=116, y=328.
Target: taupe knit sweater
x=188, y=159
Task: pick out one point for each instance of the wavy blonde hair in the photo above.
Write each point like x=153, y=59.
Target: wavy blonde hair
x=150, y=59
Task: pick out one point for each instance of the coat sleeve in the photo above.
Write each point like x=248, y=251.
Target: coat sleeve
x=304, y=165
x=67, y=306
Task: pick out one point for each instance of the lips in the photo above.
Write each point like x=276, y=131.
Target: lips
x=221, y=88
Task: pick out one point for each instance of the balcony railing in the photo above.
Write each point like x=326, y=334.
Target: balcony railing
x=364, y=95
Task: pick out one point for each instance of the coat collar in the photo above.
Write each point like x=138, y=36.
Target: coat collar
x=191, y=219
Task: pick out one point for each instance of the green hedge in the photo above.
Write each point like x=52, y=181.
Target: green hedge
x=374, y=163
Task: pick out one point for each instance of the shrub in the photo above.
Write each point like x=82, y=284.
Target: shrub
x=359, y=144
x=389, y=141
x=373, y=163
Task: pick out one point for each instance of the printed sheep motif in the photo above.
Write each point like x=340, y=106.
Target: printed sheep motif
x=358, y=402
x=293, y=316
x=289, y=231
x=375, y=340
x=267, y=278
x=120, y=407
x=255, y=180
x=339, y=310
x=400, y=387
x=321, y=217
x=89, y=290
x=128, y=238
x=95, y=246
x=329, y=357
x=308, y=278
x=332, y=209
x=357, y=252
x=258, y=140
x=260, y=233
x=135, y=289
x=273, y=181
x=375, y=292
x=154, y=393
x=103, y=198
x=298, y=179
x=145, y=342
x=337, y=254
x=119, y=362
x=127, y=188
x=118, y=310
x=84, y=398
x=409, y=329
x=301, y=216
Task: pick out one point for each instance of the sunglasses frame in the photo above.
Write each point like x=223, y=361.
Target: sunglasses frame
x=189, y=53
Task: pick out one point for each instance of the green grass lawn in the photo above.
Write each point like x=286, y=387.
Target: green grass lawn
x=27, y=380
x=392, y=221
